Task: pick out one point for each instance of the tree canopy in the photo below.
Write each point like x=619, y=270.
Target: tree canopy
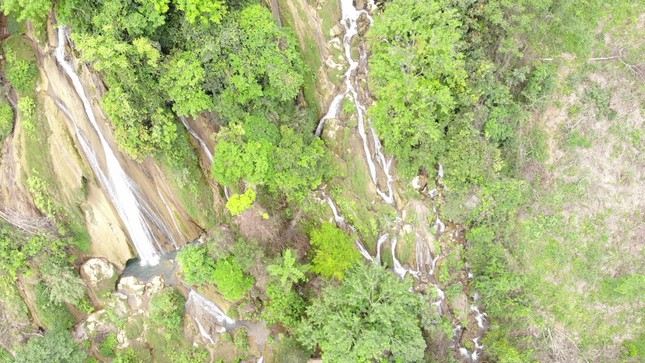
x=334, y=251
x=53, y=346
x=371, y=316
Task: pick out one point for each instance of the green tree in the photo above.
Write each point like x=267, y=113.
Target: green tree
x=63, y=283
x=288, y=270
x=238, y=203
x=183, y=78
x=54, y=346
x=167, y=309
x=235, y=159
x=197, y=265
x=231, y=280
x=26, y=9
x=301, y=163
x=285, y=306
x=202, y=10
x=21, y=72
x=334, y=251
x=372, y=316
x=418, y=77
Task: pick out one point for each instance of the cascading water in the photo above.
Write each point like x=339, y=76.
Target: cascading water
x=115, y=181
x=349, y=21
x=201, y=142
x=208, y=308
x=426, y=263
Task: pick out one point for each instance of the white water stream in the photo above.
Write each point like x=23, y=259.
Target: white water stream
x=349, y=20
x=201, y=142
x=426, y=263
x=211, y=308
x=115, y=181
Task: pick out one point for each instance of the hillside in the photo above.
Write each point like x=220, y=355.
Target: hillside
x=322, y=180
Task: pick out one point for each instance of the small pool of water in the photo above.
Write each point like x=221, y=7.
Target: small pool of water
x=166, y=267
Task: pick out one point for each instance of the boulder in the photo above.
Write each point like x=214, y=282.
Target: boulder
x=363, y=24
x=100, y=277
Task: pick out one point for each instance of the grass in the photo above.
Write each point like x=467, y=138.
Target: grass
x=330, y=14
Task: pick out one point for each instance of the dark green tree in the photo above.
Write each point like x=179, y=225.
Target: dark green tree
x=371, y=316
x=56, y=346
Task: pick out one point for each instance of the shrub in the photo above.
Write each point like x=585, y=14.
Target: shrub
x=6, y=120
x=52, y=315
x=54, y=346
x=27, y=108
x=21, y=73
x=197, y=265
x=167, y=309
x=285, y=306
x=241, y=339
x=231, y=280
x=290, y=351
x=334, y=251
x=108, y=346
x=238, y=203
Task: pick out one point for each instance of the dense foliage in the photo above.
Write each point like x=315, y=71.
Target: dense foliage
x=371, y=316
x=226, y=273
x=167, y=309
x=196, y=264
x=231, y=280
x=334, y=251
x=53, y=346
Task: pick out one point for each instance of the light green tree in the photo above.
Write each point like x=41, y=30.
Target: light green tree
x=231, y=280
x=182, y=79
x=26, y=9
x=202, y=10
x=238, y=203
x=197, y=265
x=334, y=251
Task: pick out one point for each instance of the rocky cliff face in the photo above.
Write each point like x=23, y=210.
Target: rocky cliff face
x=78, y=187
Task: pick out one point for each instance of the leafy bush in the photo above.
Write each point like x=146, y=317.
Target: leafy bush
x=63, y=283
x=27, y=108
x=197, y=265
x=288, y=270
x=239, y=203
x=167, y=309
x=52, y=315
x=23, y=10
x=107, y=348
x=54, y=346
x=21, y=73
x=241, y=339
x=285, y=306
x=334, y=251
x=291, y=351
x=371, y=316
x=231, y=280
x=6, y=119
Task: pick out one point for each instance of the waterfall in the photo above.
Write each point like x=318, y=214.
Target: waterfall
x=350, y=16
x=115, y=181
x=210, y=308
x=201, y=142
